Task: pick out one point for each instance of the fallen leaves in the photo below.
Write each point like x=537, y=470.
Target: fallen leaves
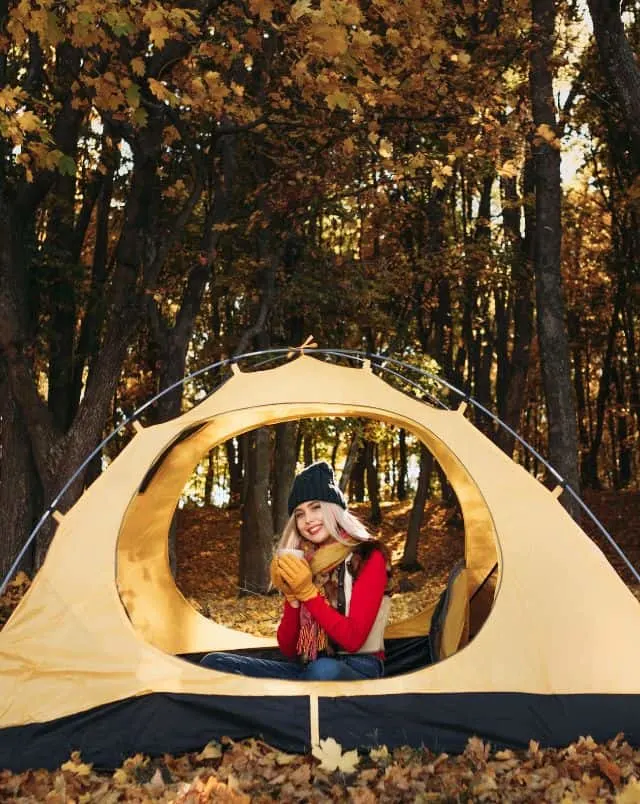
x=254, y=772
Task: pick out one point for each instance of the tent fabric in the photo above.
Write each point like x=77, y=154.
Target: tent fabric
x=103, y=622
x=166, y=722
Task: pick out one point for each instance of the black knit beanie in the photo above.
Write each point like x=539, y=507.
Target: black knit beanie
x=315, y=482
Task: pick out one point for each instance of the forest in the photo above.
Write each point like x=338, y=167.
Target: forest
x=452, y=184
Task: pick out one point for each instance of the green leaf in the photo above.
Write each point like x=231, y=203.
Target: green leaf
x=133, y=95
x=67, y=166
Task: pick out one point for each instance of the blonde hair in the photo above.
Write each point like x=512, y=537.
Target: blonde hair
x=335, y=518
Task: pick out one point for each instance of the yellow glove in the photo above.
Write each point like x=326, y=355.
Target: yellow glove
x=296, y=573
x=278, y=582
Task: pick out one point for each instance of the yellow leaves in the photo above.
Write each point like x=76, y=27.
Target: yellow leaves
x=211, y=750
x=75, y=765
x=156, y=21
x=342, y=100
x=348, y=147
x=300, y=9
x=440, y=175
x=416, y=162
x=347, y=12
x=162, y=92
x=262, y=9
x=508, y=170
x=30, y=18
x=630, y=794
x=329, y=40
x=138, y=66
x=385, y=148
x=329, y=752
x=393, y=37
x=28, y=121
x=545, y=133
x=158, y=34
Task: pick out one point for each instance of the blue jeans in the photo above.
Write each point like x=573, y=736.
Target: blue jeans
x=344, y=667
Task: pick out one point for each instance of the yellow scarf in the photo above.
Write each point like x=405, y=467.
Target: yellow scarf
x=328, y=556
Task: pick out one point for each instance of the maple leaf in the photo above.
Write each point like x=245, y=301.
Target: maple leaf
x=263, y=8
x=75, y=765
x=332, y=39
x=340, y=99
x=211, y=751
x=300, y=8
x=159, y=35
x=66, y=165
x=329, y=752
x=138, y=66
x=28, y=121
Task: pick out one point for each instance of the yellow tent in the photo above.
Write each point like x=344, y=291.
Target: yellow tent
x=91, y=657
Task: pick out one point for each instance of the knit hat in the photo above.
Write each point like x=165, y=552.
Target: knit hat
x=315, y=482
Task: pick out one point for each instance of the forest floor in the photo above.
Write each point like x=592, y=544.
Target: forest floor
x=251, y=771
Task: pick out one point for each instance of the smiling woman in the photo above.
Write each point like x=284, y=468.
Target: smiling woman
x=336, y=593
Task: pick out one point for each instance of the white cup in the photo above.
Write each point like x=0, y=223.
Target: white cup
x=291, y=551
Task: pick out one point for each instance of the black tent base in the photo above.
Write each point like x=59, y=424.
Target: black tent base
x=161, y=723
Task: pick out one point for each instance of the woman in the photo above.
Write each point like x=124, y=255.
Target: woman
x=336, y=599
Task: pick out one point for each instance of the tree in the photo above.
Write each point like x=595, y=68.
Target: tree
x=620, y=66
x=552, y=328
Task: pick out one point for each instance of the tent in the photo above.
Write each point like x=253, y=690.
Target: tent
x=95, y=656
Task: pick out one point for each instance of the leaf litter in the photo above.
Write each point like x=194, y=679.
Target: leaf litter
x=252, y=772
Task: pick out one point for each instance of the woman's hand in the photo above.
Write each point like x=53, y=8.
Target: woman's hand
x=278, y=582
x=297, y=575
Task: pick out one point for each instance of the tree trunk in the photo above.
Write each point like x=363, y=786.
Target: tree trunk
x=20, y=493
x=402, y=464
x=604, y=387
x=620, y=65
x=284, y=472
x=235, y=466
x=350, y=461
x=580, y=383
x=552, y=329
x=357, y=477
x=307, y=449
x=622, y=432
x=209, y=478
x=373, y=489
x=409, y=560
x=256, y=536
x=515, y=369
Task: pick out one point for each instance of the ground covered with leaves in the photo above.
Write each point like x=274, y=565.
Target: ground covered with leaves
x=252, y=771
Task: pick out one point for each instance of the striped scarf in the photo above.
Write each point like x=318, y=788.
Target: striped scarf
x=325, y=565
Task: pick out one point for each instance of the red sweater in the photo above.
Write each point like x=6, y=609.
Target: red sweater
x=350, y=631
